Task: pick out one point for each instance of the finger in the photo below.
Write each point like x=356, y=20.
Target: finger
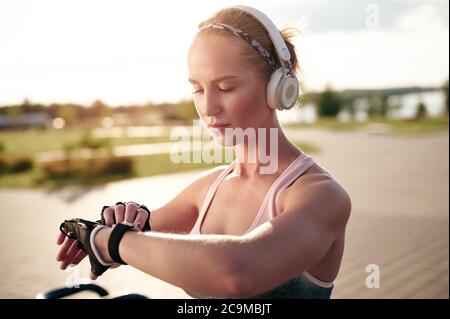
x=130, y=212
x=63, y=251
x=79, y=257
x=108, y=215
x=60, y=239
x=92, y=276
x=119, y=212
x=71, y=252
x=115, y=266
x=141, y=218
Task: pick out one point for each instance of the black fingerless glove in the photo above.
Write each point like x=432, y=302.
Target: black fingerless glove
x=80, y=230
x=146, y=227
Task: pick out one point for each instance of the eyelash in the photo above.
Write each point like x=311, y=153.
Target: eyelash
x=222, y=90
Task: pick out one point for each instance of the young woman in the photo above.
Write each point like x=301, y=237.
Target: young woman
x=237, y=231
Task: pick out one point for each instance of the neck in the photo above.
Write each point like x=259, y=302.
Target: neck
x=268, y=153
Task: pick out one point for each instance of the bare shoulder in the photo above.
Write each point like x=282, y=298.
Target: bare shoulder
x=320, y=195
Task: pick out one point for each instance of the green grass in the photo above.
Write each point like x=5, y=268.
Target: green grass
x=27, y=142
x=403, y=127
x=162, y=164
x=420, y=127
x=143, y=166
x=22, y=180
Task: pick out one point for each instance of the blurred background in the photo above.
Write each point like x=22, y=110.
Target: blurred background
x=94, y=95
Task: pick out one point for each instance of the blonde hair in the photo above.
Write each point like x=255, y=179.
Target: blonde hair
x=245, y=22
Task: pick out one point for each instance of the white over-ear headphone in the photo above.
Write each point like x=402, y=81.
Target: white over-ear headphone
x=283, y=87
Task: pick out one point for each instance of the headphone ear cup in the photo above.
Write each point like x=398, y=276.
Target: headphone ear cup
x=272, y=89
x=289, y=92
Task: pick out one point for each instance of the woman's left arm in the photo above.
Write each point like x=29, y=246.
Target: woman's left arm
x=314, y=216
x=203, y=264
x=242, y=266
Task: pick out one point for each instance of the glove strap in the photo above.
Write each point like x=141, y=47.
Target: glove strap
x=94, y=248
x=114, y=240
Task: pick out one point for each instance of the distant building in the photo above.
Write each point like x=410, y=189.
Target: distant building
x=401, y=106
x=361, y=109
x=28, y=120
x=406, y=105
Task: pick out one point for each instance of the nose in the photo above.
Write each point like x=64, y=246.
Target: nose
x=209, y=105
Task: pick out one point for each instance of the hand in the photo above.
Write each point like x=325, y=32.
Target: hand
x=80, y=230
x=130, y=213
x=71, y=254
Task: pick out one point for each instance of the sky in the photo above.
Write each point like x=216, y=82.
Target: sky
x=135, y=51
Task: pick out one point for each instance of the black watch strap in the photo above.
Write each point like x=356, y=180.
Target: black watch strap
x=114, y=240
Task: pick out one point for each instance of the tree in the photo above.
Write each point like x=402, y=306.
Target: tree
x=68, y=113
x=14, y=111
x=421, y=111
x=26, y=106
x=99, y=109
x=329, y=103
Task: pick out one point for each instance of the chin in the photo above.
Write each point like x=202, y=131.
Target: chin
x=222, y=140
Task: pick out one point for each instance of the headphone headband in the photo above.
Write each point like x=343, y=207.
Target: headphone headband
x=274, y=64
x=280, y=46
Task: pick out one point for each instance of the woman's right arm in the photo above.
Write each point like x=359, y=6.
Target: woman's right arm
x=180, y=213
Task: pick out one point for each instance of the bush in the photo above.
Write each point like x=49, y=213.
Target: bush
x=21, y=164
x=89, y=169
x=57, y=170
x=89, y=142
x=15, y=165
x=118, y=165
x=3, y=166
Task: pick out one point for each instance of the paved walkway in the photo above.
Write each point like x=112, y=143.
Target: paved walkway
x=399, y=188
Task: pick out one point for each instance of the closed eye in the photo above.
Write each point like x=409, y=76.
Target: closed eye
x=226, y=90
x=221, y=90
x=197, y=91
